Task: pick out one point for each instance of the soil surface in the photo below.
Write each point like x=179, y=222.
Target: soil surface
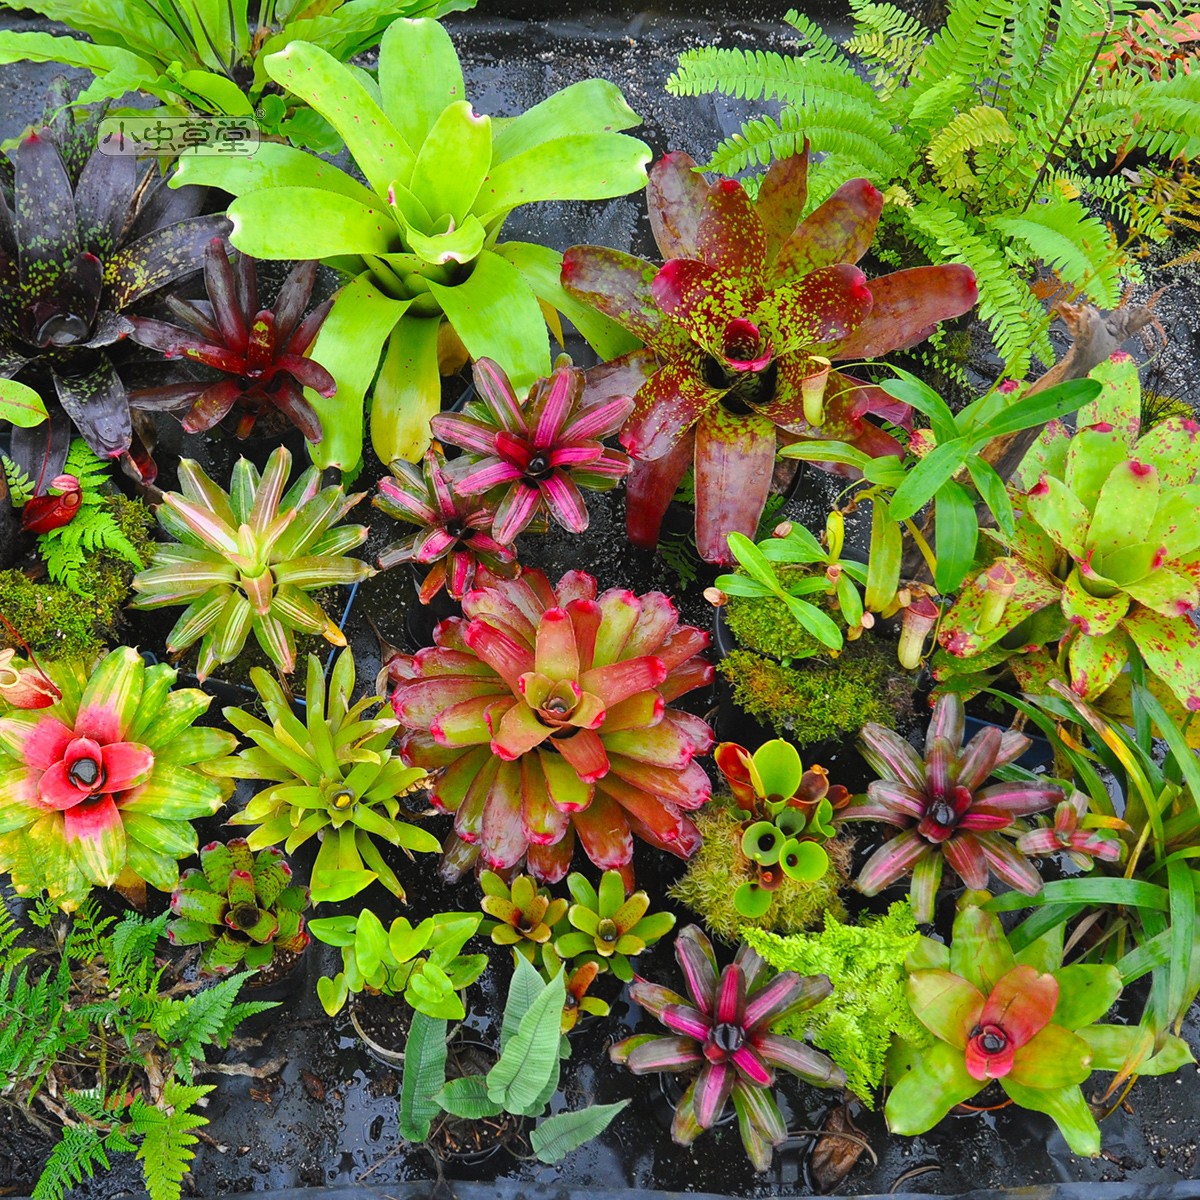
x=326, y=1114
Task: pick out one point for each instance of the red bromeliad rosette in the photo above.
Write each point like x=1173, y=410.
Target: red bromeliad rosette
x=543, y=712
x=740, y=327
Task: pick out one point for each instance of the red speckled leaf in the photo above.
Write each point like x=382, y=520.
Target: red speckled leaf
x=1171, y=648
x=840, y=230
x=702, y=299
x=731, y=237
x=649, y=489
x=1095, y=615
x=825, y=306
x=667, y=405
x=1097, y=661
x=675, y=198
x=735, y=456
x=618, y=285
x=781, y=199
x=908, y=306
x=1033, y=591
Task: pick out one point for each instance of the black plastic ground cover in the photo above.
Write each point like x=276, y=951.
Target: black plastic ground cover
x=319, y=1122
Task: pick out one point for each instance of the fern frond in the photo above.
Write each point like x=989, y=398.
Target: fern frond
x=80, y=1150
x=888, y=40
x=820, y=44
x=968, y=44
x=763, y=74
x=977, y=127
x=166, y=1137
x=1077, y=246
x=20, y=486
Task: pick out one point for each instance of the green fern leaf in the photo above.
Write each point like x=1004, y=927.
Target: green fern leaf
x=166, y=1137
x=78, y=1153
x=20, y=486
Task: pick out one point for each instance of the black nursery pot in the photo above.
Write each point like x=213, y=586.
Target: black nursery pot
x=471, y=1145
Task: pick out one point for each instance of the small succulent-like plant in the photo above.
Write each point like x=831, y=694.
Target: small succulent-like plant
x=608, y=928
x=246, y=560
x=333, y=776
x=83, y=239
x=543, y=715
x=422, y=963
x=579, y=979
x=1104, y=558
x=101, y=786
x=453, y=535
x=240, y=906
x=1023, y=1020
x=522, y=914
x=722, y=1036
x=740, y=326
x=259, y=351
x=943, y=809
x=790, y=814
x=536, y=455
x=1073, y=833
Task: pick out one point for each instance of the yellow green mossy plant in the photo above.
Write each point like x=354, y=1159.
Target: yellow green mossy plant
x=56, y=622
x=764, y=623
x=865, y=964
x=822, y=700
x=720, y=867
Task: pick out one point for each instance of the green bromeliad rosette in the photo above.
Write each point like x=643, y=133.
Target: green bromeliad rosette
x=100, y=788
x=1019, y=1018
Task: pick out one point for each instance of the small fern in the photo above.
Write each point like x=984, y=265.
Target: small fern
x=988, y=137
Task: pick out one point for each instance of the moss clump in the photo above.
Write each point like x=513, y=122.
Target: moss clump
x=719, y=867
x=55, y=621
x=766, y=625
x=865, y=964
x=821, y=700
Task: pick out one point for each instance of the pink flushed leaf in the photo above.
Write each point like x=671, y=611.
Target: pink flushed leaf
x=1009, y=864
x=730, y=1005
x=468, y=723
x=542, y=822
x=713, y=1086
x=751, y=1067
x=982, y=819
x=1018, y=799
x=787, y=992
x=467, y=432
x=556, y=654
x=96, y=838
x=687, y=789
x=503, y=843
x=839, y=231
x=604, y=833
x=622, y=377
x=982, y=1065
x=57, y=790
x=518, y=732
x=650, y=488
x=1022, y=1003
x=978, y=758
x=686, y=1020
x=794, y=1056
x=497, y=393
x=599, y=420
x=662, y=1054
x=657, y=821
x=551, y=862
x=585, y=752
x=584, y=453
x=46, y=743
x=653, y=997
x=518, y=507
x=564, y=501
x=904, y=803
x=946, y=1004
x=947, y=721
x=488, y=473
x=618, y=285
x=431, y=544
x=963, y=853
x=735, y=455
x=730, y=235
x=408, y=493
x=782, y=195
x=621, y=680
x=126, y=764
x=702, y=299
x=823, y=307
x=666, y=407
x=892, y=861
x=676, y=194
x=694, y=953
x=663, y=745
x=554, y=404
x=890, y=756
x=420, y=703
x=908, y=306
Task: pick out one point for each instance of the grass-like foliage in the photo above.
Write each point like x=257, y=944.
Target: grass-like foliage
x=986, y=138
x=93, y=530
x=96, y=1014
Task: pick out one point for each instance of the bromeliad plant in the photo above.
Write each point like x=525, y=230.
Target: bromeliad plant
x=1022, y=1019
x=241, y=907
x=543, y=715
x=521, y=914
x=789, y=815
x=608, y=927
x=945, y=813
x=740, y=326
x=332, y=776
x=452, y=537
x=722, y=1033
x=532, y=457
x=207, y=56
x=1103, y=558
x=428, y=281
x=82, y=237
x=424, y=964
x=100, y=788
x=259, y=351
x=246, y=560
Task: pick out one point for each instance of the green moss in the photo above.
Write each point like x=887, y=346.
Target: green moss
x=865, y=964
x=821, y=700
x=56, y=622
x=765, y=624
x=719, y=867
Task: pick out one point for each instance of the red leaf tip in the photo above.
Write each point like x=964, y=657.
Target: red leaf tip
x=1140, y=469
